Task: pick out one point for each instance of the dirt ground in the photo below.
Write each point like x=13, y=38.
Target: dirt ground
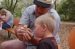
x=64, y=32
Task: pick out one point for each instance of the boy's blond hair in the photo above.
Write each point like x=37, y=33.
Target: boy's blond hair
x=47, y=20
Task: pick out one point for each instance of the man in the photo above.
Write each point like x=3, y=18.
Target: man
x=30, y=14
x=40, y=8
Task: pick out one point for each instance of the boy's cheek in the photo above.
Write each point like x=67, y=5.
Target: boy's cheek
x=38, y=33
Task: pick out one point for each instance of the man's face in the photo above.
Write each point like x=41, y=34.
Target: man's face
x=40, y=10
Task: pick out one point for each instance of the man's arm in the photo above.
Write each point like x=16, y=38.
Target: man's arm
x=24, y=22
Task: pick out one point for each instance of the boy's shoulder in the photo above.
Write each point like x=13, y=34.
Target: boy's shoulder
x=48, y=43
x=47, y=40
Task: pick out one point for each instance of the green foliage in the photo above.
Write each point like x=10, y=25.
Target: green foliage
x=67, y=10
x=15, y=6
x=10, y=4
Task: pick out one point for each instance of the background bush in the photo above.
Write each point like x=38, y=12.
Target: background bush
x=15, y=6
x=66, y=9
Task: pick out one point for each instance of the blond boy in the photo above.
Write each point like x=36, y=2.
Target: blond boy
x=44, y=27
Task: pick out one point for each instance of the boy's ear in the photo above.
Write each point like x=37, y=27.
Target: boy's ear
x=44, y=27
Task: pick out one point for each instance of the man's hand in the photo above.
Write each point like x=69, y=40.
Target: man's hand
x=27, y=36
x=23, y=33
